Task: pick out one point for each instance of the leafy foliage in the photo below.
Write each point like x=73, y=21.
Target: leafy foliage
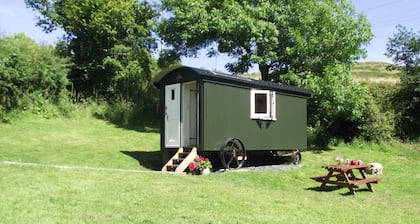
x=380, y=115
x=404, y=49
x=109, y=41
x=110, y=44
x=279, y=36
x=29, y=73
x=340, y=109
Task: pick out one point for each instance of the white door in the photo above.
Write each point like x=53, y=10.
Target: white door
x=173, y=115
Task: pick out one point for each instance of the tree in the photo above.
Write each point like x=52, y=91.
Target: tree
x=108, y=40
x=404, y=49
x=20, y=81
x=277, y=35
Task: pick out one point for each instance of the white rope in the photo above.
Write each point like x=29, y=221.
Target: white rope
x=74, y=167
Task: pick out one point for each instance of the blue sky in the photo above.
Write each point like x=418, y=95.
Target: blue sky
x=383, y=15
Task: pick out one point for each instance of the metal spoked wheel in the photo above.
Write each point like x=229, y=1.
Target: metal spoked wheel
x=232, y=153
x=296, y=157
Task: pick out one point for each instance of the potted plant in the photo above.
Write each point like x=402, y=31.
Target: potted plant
x=200, y=165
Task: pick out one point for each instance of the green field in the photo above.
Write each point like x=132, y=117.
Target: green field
x=373, y=69
x=131, y=191
x=363, y=71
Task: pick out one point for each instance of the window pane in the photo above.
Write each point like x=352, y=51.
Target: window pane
x=260, y=103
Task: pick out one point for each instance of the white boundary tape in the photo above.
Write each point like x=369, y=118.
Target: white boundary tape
x=74, y=167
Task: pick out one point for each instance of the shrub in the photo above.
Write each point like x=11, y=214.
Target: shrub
x=380, y=116
x=29, y=73
x=407, y=106
x=342, y=110
x=336, y=107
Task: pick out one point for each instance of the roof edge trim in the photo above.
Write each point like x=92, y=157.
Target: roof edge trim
x=159, y=76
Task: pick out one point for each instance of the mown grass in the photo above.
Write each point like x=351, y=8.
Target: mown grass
x=50, y=195
x=84, y=141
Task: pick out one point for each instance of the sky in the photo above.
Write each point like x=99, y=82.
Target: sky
x=383, y=15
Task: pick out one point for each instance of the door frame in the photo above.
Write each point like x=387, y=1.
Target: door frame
x=185, y=131
x=189, y=114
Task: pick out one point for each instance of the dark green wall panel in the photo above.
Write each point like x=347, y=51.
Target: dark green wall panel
x=226, y=113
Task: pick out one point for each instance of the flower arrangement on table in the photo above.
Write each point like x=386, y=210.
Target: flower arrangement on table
x=341, y=160
x=199, y=165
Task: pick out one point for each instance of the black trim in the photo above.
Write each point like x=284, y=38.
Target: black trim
x=182, y=74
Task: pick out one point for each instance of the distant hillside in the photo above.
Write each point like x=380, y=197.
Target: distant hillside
x=362, y=71
x=374, y=72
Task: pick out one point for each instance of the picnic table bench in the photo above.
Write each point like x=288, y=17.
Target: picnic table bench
x=342, y=175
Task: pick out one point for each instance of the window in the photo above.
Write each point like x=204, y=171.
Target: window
x=173, y=94
x=263, y=104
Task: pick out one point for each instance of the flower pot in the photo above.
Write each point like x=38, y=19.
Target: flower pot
x=206, y=171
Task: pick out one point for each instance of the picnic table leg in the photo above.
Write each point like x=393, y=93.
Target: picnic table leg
x=324, y=181
x=346, y=178
x=362, y=172
x=353, y=177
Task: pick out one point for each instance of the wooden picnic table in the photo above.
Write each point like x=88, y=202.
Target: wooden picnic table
x=342, y=175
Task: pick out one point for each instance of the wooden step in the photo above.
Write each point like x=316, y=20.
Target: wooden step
x=183, y=155
x=180, y=161
x=177, y=161
x=171, y=167
x=189, y=148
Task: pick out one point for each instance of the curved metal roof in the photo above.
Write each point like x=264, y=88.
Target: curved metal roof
x=233, y=79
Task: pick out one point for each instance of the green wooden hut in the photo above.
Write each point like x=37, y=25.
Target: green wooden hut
x=211, y=112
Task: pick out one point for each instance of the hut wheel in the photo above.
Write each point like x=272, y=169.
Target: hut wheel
x=232, y=153
x=296, y=157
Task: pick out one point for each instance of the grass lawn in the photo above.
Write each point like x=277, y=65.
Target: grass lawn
x=40, y=194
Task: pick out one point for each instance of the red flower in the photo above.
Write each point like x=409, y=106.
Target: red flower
x=199, y=164
x=192, y=166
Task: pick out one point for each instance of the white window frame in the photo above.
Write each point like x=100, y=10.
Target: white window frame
x=271, y=105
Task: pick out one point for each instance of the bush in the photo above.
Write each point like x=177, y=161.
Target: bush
x=342, y=110
x=380, y=115
x=377, y=125
x=30, y=74
x=407, y=106
x=130, y=113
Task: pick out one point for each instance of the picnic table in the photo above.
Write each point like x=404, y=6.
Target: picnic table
x=342, y=175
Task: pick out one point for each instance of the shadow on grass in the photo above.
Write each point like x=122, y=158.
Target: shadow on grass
x=319, y=149
x=145, y=129
x=152, y=127
x=265, y=159
x=324, y=189
x=330, y=188
x=149, y=160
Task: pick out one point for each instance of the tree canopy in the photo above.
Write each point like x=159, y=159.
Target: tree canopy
x=404, y=49
x=20, y=80
x=108, y=40
x=277, y=35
